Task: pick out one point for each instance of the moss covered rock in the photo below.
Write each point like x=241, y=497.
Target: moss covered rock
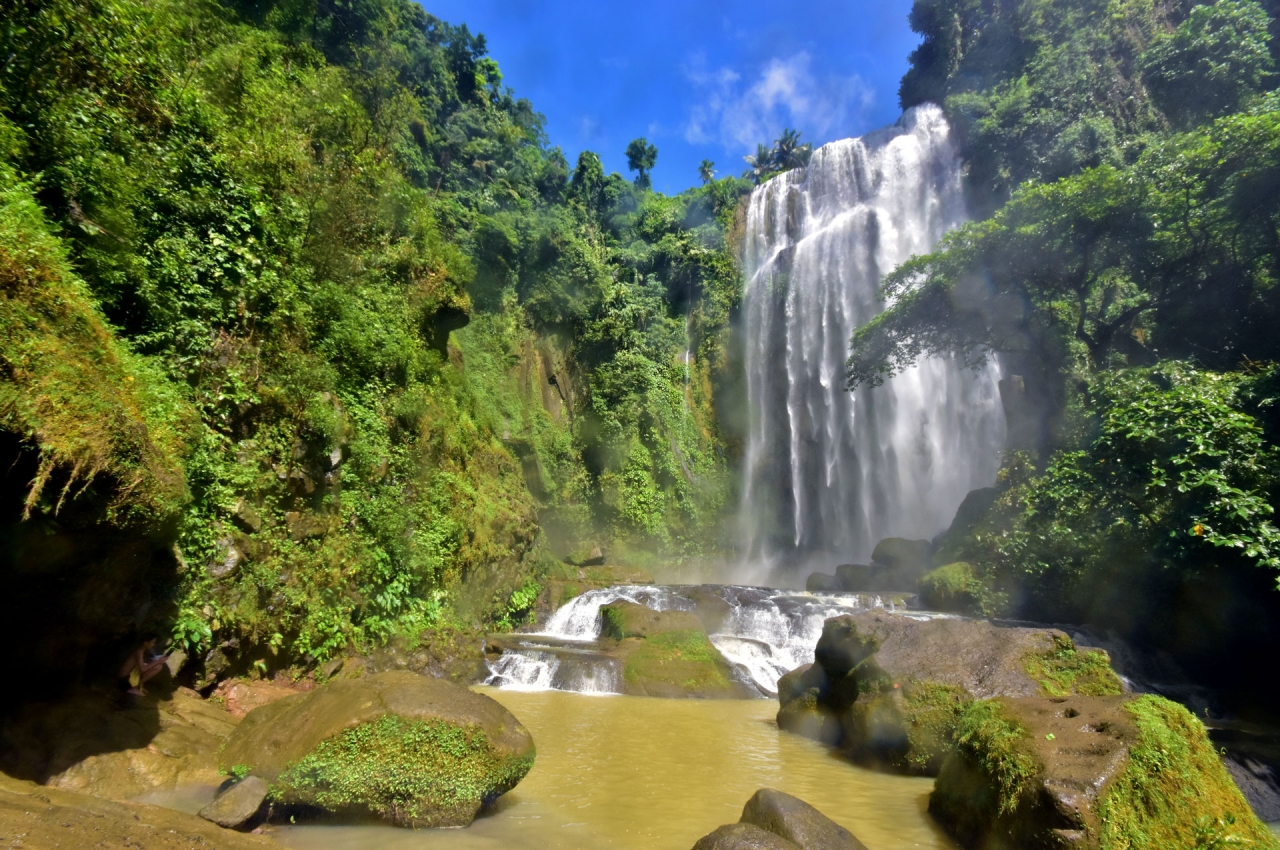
x=681, y=663
x=412, y=750
x=622, y=619
x=1103, y=773
x=952, y=587
x=889, y=689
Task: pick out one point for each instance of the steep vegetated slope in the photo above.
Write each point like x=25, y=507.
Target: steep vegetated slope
x=1127, y=155
x=299, y=293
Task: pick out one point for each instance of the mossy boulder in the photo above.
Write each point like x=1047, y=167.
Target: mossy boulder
x=889, y=689
x=1094, y=772
x=900, y=553
x=410, y=749
x=822, y=583
x=622, y=619
x=682, y=663
x=952, y=587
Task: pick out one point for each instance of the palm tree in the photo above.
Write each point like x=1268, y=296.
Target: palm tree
x=641, y=157
x=707, y=171
x=761, y=163
x=789, y=153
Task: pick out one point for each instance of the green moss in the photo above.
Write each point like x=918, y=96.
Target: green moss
x=69, y=387
x=951, y=588
x=1063, y=670
x=686, y=659
x=999, y=748
x=931, y=712
x=1174, y=791
x=414, y=773
x=612, y=623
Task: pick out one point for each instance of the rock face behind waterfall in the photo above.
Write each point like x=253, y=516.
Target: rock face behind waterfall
x=888, y=689
x=827, y=471
x=412, y=750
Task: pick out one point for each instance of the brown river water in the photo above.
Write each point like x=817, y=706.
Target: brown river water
x=636, y=773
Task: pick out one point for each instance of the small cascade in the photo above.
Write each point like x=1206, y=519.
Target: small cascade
x=763, y=632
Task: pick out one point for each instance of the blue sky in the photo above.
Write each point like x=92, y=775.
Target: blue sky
x=699, y=79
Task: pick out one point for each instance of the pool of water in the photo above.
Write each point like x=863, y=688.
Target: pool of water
x=635, y=773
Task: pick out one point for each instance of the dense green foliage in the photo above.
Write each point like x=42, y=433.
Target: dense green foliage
x=403, y=339
x=1041, y=89
x=1125, y=154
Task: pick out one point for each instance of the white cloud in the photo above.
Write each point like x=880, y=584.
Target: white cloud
x=738, y=114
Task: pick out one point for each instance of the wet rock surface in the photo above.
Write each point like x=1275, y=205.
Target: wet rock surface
x=742, y=836
x=239, y=806
x=797, y=821
x=118, y=747
x=888, y=688
x=33, y=816
x=772, y=819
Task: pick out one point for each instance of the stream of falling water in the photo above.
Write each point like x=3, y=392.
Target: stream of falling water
x=827, y=472
x=637, y=773
x=764, y=633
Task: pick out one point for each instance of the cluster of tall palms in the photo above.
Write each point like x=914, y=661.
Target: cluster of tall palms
x=787, y=153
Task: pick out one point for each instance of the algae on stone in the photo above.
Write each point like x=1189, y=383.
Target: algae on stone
x=1063, y=669
x=410, y=772
x=1174, y=792
x=685, y=660
x=1090, y=772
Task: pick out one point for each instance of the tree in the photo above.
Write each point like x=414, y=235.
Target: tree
x=1211, y=62
x=761, y=163
x=707, y=171
x=789, y=153
x=641, y=157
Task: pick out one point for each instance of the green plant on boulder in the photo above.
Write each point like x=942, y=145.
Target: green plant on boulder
x=1063, y=669
x=411, y=772
x=1174, y=791
x=953, y=587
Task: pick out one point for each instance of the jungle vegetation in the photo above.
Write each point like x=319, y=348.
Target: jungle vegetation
x=1122, y=161
x=354, y=340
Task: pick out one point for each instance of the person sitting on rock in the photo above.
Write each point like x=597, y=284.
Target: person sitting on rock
x=138, y=668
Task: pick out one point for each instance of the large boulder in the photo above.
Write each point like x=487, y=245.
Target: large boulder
x=666, y=653
x=797, y=821
x=412, y=750
x=772, y=820
x=822, y=583
x=900, y=553
x=1089, y=772
x=953, y=588
x=93, y=745
x=742, y=836
x=622, y=619
x=888, y=689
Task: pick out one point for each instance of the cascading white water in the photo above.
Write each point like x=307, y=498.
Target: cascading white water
x=828, y=473
x=764, y=634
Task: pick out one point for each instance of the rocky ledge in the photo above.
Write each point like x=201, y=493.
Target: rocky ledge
x=888, y=689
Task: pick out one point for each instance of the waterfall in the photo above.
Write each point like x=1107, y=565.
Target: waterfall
x=828, y=472
x=763, y=634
